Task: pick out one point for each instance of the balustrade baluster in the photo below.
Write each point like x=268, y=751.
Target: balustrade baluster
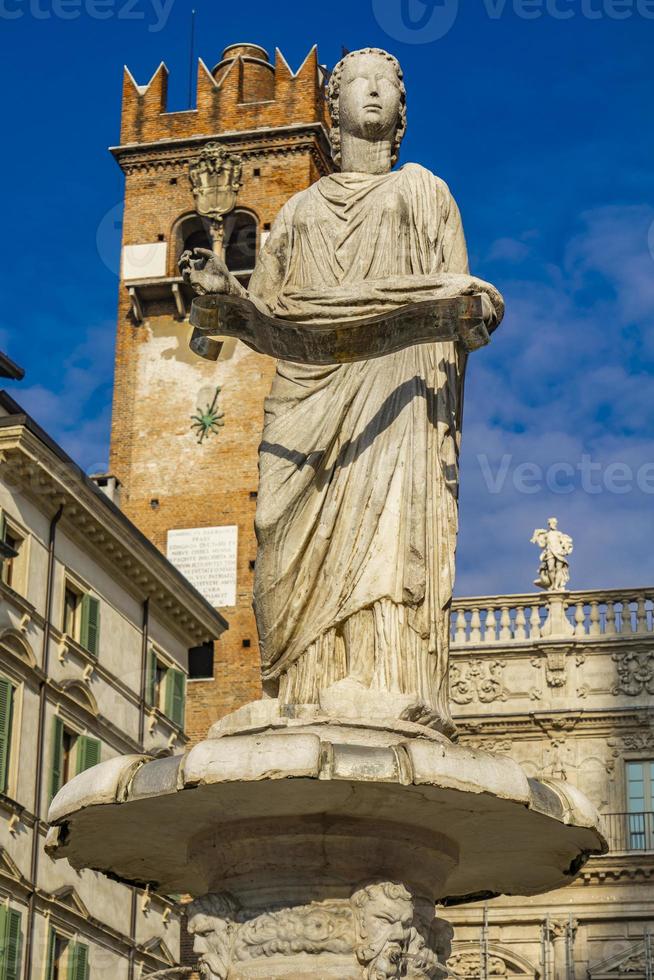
x=595, y=629
x=625, y=617
x=475, y=626
x=609, y=628
x=534, y=623
x=490, y=635
x=641, y=615
x=580, y=619
x=520, y=623
x=460, y=634
x=505, y=624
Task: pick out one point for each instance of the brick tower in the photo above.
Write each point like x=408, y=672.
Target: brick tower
x=264, y=131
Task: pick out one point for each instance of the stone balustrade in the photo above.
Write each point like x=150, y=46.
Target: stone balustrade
x=592, y=615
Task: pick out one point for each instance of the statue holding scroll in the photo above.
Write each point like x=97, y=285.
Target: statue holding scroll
x=363, y=289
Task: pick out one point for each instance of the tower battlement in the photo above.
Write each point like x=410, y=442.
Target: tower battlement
x=244, y=91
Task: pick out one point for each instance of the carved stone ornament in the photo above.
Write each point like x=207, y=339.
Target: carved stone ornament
x=477, y=681
x=380, y=931
x=635, y=673
x=216, y=179
x=553, y=572
x=469, y=965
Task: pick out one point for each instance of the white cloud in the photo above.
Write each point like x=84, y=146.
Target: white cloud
x=568, y=376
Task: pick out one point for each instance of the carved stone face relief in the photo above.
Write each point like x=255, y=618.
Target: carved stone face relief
x=211, y=926
x=383, y=919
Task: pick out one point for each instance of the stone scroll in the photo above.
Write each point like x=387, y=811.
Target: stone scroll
x=453, y=319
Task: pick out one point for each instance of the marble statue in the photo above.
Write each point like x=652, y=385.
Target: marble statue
x=357, y=505
x=317, y=828
x=554, y=571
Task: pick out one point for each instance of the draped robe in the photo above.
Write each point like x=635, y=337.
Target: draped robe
x=357, y=508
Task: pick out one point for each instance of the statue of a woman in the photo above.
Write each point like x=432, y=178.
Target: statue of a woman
x=357, y=506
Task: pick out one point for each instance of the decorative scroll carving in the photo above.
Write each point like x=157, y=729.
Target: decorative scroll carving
x=378, y=927
x=477, y=680
x=635, y=673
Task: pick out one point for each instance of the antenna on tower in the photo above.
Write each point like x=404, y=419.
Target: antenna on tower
x=191, y=59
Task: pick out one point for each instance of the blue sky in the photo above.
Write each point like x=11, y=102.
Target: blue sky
x=538, y=113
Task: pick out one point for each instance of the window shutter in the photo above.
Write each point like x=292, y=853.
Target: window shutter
x=151, y=677
x=10, y=938
x=3, y=525
x=175, y=696
x=78, y=962
x=6, y=703
x=90, y=626
x=56, y=772
x=52, y=942
x=88, y=752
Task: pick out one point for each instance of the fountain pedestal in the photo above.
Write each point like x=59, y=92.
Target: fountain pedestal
x=319, y=848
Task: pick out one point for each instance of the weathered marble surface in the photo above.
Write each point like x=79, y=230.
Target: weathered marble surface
x=357, y=505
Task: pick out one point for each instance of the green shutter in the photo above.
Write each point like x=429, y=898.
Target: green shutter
x=10, y=944
x=88, y=752
x=78, y=962
x=52, y=942
x=151, y=678
x=6, y=705
x=90, y=626
x=175, y=696
x=56, y=771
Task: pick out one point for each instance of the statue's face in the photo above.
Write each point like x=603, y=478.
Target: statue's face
x=552, y=523
x=211, y=943
x=386, y=924
x=369, y=103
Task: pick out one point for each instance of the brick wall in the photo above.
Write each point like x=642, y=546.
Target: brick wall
x=169, y=480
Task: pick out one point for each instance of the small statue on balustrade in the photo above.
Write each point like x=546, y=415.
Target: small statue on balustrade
x=554, y=571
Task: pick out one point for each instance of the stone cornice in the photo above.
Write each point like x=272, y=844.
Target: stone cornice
x=536, y=724
x=176, y=154
x=35, y=466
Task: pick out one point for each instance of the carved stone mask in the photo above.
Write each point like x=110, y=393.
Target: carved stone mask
x=209, y=923
x=369, y=97
x=384, y=915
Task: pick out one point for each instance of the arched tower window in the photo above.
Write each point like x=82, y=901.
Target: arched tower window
x=240, y=242
x=191, y=231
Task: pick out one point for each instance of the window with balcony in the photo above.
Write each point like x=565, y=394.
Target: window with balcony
x=640, y=804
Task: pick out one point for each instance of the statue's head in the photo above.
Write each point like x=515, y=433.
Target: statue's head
x=552, y=523
x=383, y=918
x=210, y=923
x=367, y=98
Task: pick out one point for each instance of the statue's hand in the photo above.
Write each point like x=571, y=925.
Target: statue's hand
x=207, y=273
x=492, y=303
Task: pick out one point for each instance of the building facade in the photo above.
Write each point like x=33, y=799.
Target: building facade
x=95, y=632
x=564, y=684
x=566, y=690
x=271, y=124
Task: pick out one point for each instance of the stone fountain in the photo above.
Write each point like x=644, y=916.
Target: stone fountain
x=320, y=828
